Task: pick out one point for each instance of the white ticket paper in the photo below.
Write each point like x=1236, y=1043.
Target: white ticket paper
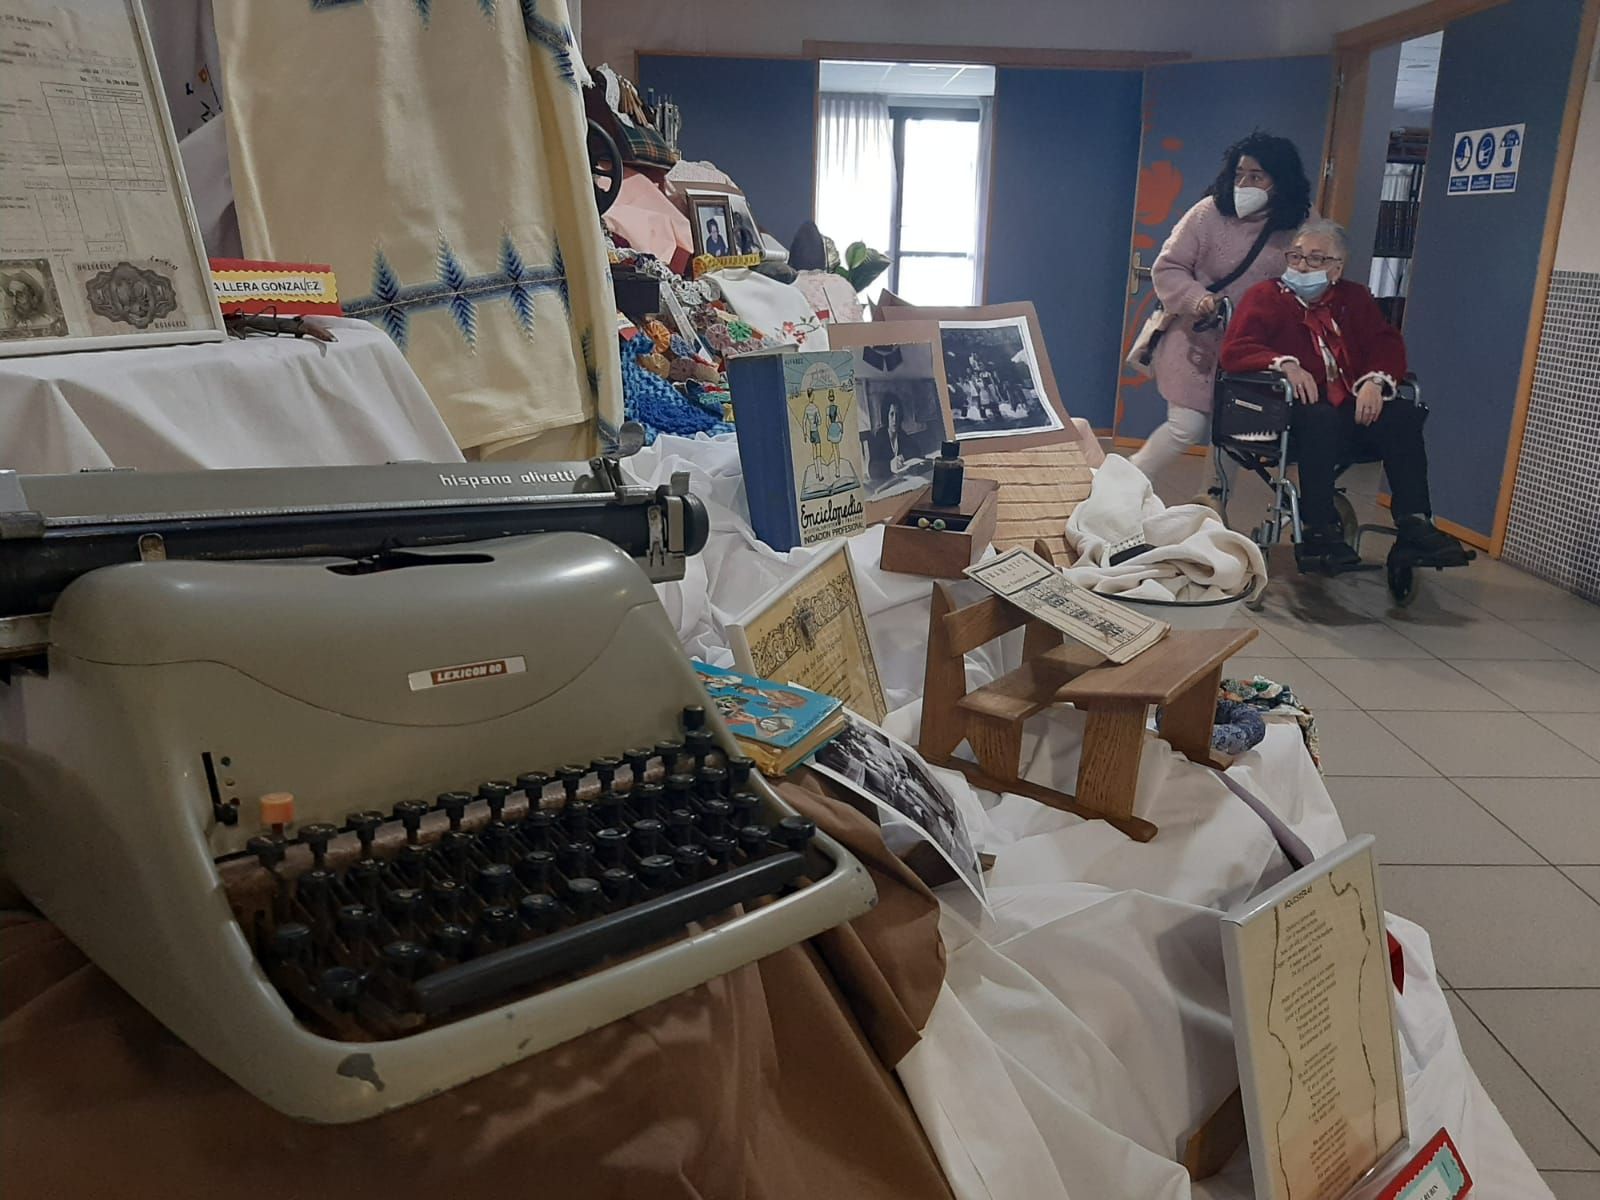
x=1022, y=578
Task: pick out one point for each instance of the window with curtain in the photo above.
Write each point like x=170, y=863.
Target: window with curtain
x=855, y=171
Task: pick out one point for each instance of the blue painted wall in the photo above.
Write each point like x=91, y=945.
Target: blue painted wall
x=753, y=117
x=1066, y=156
x=1477, y=256
x=1192, y=112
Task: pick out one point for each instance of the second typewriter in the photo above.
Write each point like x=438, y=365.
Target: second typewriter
x=360, y=832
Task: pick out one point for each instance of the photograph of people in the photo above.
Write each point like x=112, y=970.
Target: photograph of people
x=27, y=308
x=883, y=769
x=711, y=226
x=1261, y=192
x=904, y=433
x=746, y=234
x=994, y=379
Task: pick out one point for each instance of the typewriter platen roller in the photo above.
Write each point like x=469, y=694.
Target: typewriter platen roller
x=360, y=832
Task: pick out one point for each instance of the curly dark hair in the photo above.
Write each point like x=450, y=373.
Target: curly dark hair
x=1291, y=190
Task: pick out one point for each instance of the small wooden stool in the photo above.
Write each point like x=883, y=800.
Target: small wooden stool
x=1181, y=672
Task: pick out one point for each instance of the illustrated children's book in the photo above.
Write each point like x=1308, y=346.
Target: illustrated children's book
x=777, y=725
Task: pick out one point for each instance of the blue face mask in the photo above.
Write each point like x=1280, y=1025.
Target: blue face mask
x=1308, y=285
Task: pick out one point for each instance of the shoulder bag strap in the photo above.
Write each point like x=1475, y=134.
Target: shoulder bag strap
x=1249, y=259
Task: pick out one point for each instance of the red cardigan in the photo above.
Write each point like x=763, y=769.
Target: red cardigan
x=1270, y=324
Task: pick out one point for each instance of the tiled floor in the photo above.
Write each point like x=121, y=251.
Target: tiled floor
x=1464, y=732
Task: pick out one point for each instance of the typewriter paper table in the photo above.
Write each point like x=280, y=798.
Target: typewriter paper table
x=260, y=402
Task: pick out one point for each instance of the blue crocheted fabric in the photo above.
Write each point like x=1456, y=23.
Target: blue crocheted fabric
x=1238, y=727
x=657, y=405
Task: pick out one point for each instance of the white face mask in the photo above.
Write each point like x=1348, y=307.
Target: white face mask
x=1248, y=201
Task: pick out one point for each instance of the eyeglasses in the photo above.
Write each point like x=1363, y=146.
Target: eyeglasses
x=1314, y=261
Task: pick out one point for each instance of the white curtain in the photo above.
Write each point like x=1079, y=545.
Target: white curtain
x=855, y=172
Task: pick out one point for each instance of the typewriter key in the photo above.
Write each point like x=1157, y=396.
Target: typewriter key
x=617, y=883
x=646, y=836
x=646, y=799
x=608, y=810
x=680, y=826
x=657, y=870
x=404, y=906
x=277, y=810
x=405, y=958
x=452, y=940
x=611, y=844
x=694, y=717
x=795, y=832
x=701, y=742
x=605, y=770
x=746, y=808
x=719, y=849
x=679, y=789
x=713, y=782
x=354, y=922
x=455, y=846
x=584, y=895
x=533, y=784
x=314, y=889
x=340, y=987
x=534, y=869
x=291, y=942
x=317, y=836
x=571, y=776
x=495, y=882
x=669, y=752
x=453, y=805
x=365, y=826
x=692, y=861
x=497, y=841
x=576, y=856
x=753, y=840
x=410, y=813
x=534, y=829
x=365, y=877
x=638, y=761
x=269, y=851
x=494, y=794
x=444, y=897
x=575, y=817
x=739, y=770
x=541, y=913
x=499, y=924
x=715, y=816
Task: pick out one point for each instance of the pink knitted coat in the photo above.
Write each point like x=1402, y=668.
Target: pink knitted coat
x=1204, y=246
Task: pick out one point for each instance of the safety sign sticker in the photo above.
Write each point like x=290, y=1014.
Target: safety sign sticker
x=1486, y=161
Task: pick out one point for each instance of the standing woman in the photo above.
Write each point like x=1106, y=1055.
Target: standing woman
x=1235, y=236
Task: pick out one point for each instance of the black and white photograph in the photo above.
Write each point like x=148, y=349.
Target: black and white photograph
x=892, y=775
x=902, y=421
x=713, y=223
x=994, y=380
x=746, y=234
x=29, y=305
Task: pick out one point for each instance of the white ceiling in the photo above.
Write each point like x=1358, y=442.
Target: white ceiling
x=908, y=79
x=1419, y=72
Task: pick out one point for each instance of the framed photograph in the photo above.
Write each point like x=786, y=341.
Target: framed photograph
x=811, y=630
x=902, y=405
x=746, y=233
x=995, y=386
x=879, y=766
x=1314, y=1028
x=99, y=247
x=713, y=222
x=997, y=371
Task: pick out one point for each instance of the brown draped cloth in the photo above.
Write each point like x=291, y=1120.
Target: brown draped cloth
x=771, y=1083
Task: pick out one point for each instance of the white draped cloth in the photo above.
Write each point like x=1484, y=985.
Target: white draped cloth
x=1084, y=1028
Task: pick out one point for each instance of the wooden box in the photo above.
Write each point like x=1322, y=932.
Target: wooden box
x=941, y=553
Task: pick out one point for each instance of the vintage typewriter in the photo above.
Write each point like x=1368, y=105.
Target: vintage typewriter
x=372, y=793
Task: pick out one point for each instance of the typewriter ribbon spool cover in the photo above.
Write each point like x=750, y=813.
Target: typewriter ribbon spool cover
x=415, y=926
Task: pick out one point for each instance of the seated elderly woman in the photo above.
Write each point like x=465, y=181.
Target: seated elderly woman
x=1328, y=337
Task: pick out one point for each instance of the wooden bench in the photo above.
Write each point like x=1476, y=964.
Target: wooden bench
x=1181, y=673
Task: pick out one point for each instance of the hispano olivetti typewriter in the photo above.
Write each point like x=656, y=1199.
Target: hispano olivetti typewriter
x=370, y=792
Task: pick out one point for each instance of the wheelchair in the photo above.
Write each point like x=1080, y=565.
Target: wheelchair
x=1250, y=426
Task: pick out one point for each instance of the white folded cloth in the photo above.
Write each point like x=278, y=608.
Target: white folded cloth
x=1194, y=557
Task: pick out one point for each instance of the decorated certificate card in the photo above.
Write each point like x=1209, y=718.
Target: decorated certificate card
x=98, y=243
x=812, y=631
x=1021, y=577
x=1314, y=1029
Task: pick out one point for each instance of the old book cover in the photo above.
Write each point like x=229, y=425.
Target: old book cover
x=776, y=724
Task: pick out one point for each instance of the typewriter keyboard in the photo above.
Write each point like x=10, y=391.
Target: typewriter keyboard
x=396, y=921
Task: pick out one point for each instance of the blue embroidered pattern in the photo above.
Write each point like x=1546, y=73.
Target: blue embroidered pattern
x=392, y=303
x=552, y=35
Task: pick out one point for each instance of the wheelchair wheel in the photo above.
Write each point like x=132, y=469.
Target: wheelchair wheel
x=1349, y=523
x=1402, y=579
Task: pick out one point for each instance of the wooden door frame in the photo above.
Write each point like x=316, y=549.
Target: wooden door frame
x=1336, y=198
